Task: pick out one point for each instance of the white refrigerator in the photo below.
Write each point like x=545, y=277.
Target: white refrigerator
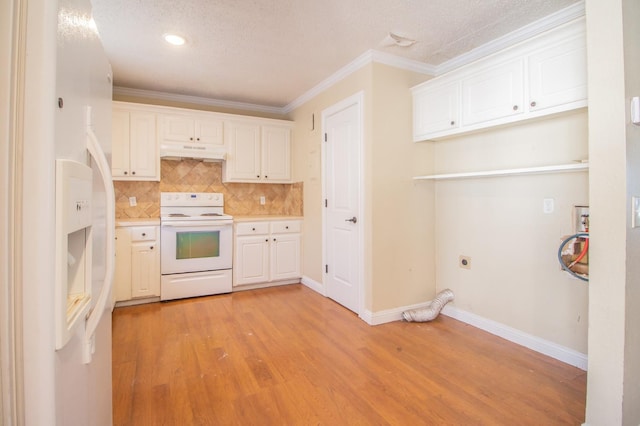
x=67, y=92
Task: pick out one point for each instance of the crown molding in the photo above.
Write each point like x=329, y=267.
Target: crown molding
x=366, y=58
x=196, y=100
x=568, y=14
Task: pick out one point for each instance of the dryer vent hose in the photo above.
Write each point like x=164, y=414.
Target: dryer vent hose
x=430, y=312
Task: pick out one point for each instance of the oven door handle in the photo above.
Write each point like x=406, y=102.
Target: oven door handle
x=195, y=223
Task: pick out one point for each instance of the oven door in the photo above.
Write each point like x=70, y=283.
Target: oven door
x=194, y=246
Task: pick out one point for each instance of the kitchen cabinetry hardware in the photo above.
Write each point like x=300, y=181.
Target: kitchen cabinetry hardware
x=257, y=152
x=270, y=258
x=135, y=148
x=542, y=76
x=137, y=273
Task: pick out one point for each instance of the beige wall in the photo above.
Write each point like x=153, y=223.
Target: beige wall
x=515, y=278
x=613, y=390
x=399, y=236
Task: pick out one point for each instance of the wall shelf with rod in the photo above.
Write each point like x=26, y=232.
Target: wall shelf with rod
x=561, y=168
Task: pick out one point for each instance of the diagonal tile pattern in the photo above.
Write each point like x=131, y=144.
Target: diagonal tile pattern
x=197, y=176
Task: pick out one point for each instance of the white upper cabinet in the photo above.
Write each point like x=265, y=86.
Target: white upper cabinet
x=192, y=129
x=257, y=152
x=276, y=153
x=558, y=76
x=436, y=109
x=135, y=145
x=493, y=93
x=541, y=76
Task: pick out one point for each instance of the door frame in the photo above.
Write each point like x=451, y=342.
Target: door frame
x=356, y=99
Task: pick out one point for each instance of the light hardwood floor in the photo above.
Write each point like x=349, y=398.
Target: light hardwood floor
x=289, y=356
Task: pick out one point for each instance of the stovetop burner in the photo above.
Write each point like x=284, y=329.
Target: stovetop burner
x=192, y=206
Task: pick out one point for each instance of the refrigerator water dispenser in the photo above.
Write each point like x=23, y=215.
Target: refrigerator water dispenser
x=73, y=247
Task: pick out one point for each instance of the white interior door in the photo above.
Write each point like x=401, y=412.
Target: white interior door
x=342, y=220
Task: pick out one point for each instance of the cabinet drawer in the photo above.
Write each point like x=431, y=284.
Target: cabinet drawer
x=252, y=228
x=143, y=233
x=285, y=226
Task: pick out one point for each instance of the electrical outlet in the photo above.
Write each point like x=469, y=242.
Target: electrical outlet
x=548, y=205
x=263, y=200
x=133, y=202
x=464, y=262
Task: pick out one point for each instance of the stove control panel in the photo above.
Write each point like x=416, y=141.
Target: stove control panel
x=186, y=199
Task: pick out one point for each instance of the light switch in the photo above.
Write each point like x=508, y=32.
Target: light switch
x=548, y=205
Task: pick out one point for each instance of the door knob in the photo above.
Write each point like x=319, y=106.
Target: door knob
x=353, y=219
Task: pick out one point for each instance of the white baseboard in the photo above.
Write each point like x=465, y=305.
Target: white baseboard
x=532, y=342
x=313, y=285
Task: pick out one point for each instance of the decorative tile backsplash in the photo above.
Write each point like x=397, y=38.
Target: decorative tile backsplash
x=197, y=176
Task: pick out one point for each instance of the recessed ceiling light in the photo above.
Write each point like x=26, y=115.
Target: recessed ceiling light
x=174, y=39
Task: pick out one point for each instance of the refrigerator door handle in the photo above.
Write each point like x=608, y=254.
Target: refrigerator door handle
x=93, y=319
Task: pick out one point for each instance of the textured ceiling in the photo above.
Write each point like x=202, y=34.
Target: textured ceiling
x=270, y=52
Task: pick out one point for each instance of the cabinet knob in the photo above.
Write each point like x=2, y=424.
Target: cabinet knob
x=286, y=227
x=533, y=103
x=267, y=240
x=253, y=229
x=190, y=139
x=515, y=107
x=197, y=139
x=126, y=173
x=258, y=176
x=133, y=173
x=144, y=234
x=151, y=247
x=274, y=239
x=453, y=122
x=265, y=176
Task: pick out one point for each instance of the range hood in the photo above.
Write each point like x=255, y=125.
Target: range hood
x=198, y=151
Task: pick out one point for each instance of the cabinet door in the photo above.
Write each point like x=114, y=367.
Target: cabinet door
x=144, y=157
x=436, y=109
x=145, y=269
x=285, y=256
x=251, y=261
x=276, y=153
x=176, y=128
x=493, y=93
x=558, y=76
x=209, y=131
x=120, y=144
x=122, y=275
x=243, y=158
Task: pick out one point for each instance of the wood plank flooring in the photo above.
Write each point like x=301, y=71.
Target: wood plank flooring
x=289, y=356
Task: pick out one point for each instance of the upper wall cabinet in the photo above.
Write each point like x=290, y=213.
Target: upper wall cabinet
x=203, y=131
x=134, y=146
x=544, y=75
x=257, y=152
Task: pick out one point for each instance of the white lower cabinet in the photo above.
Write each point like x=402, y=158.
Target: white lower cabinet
x=137, y=272
x=267, y=252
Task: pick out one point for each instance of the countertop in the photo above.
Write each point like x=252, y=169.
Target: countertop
x=147, y=221
x=259, y=218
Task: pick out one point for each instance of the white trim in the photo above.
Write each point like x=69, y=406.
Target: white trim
x=511, y=334
x=551, y=349
x=196, y=100
x=357, y=100
x=314, y=285
x=366, y=58
x=533, y=29
x=560, y=168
